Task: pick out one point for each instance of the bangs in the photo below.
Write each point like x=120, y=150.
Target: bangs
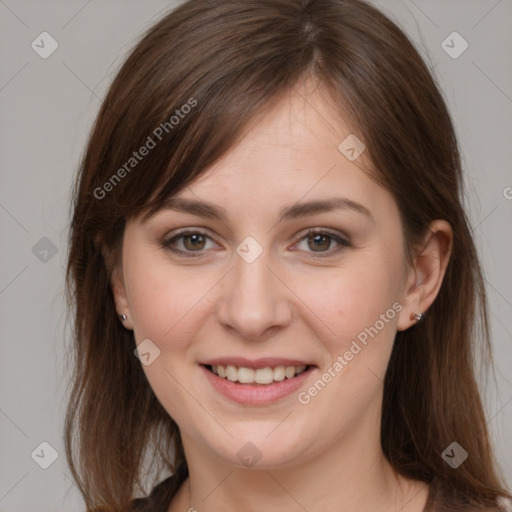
x=204, y=138
x=194, y=98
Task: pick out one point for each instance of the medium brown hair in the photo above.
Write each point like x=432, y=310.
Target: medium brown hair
x=236, y=59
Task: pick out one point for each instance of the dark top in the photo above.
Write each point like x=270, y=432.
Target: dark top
x=162, y=494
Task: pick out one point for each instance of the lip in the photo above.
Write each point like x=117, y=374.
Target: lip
x=256, y=363
x=256, y=394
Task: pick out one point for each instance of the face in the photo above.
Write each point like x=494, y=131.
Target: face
x=303, y=267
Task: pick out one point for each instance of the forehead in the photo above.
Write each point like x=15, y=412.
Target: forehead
x=294, y=148
x=288, y=156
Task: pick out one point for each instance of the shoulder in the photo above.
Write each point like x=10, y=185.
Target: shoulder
x=162, y=494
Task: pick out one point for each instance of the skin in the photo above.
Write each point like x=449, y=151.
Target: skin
x=289, y=302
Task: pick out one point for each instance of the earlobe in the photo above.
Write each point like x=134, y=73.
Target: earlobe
x=426, y=277
x=120, y=299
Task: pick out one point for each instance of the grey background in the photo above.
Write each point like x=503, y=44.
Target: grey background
x=47, y=107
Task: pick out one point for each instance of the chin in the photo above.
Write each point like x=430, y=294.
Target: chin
x=253, y=449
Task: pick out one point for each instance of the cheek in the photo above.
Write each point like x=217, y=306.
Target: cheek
x=352, y=297
x=355, y=307
x=159, y=298
x=165, y=304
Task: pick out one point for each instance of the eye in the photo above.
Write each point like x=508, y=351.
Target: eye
x=319, y=242
x=188, y=243
x=193, y=243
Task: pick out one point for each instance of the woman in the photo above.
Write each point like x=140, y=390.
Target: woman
x=275, y=288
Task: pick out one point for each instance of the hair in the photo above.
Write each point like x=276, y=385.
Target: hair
x=231, y=61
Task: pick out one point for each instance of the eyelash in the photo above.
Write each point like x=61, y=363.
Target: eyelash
x=343, y=243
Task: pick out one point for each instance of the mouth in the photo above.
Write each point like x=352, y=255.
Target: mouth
x=257, y=383
x=259, y=376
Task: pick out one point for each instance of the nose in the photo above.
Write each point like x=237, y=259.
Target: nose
x=254, y=301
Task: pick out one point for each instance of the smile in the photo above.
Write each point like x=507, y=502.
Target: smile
x=256, y=386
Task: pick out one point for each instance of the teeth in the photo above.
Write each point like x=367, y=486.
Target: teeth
x=245, y=375
x=231, y=373
x=265, y=375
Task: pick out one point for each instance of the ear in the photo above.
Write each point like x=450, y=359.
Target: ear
x=119, y=292
x=426, y=275
x=113, y=263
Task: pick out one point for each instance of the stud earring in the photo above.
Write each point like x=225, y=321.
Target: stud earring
x=417, y=316
x=123, y=317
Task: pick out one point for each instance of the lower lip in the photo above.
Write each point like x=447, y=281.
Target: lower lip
x=256, y=394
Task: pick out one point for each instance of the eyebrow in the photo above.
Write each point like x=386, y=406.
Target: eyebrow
x=294, y=211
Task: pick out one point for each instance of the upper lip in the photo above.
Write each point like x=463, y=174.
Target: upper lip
x=256, y=363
